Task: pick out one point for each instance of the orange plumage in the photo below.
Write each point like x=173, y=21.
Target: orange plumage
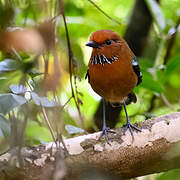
x=113, y=71
x=116, y=80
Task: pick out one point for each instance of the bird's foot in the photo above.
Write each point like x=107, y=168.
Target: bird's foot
x=130, y=126
x=105, y=132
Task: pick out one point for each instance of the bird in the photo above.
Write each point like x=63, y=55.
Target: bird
x=113, y=72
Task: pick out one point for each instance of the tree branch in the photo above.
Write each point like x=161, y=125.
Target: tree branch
x=105, y=14
x=154, y=150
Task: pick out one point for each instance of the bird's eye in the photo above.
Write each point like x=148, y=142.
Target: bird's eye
x=108, y=42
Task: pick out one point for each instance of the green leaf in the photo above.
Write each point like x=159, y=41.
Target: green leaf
x=169, y=175
x=3, y=80
x=4, y=126
x=157, y=14
x=10, y=101
x=33, y=73
x=174, y=80
x=165, y=110
x=33, y=133
x=73, y=130
x=172, y=65
x=43, y=101
x=18, y=89
x=8, y=65
x=148, y=82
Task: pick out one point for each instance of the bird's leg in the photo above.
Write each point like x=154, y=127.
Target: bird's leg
x=128, y=125
x=105, y=129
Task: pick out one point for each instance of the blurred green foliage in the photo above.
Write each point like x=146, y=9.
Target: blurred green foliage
x=28, y=70
x=173, y=174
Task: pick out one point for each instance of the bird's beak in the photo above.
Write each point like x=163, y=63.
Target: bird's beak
x=92, y=44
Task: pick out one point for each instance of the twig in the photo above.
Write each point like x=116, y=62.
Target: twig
x=152, y=104
x=78, y=99
x=171, y=42
x=14, y=130
x=48, y=123
x=97, y=7
x=60, y=139
x=70, y=53
x=46, y=63
x=29, y=85
x=16, y=53
x=166, y=102
x=20, y=143
x=58, y=132
x=63, y=106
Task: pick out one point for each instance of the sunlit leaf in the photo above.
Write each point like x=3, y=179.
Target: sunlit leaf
x=157, y=14
x=43, y=101
x=10, y=101
x=18, y=89
x=73, y=130
x=8, y=65
x=4, y=126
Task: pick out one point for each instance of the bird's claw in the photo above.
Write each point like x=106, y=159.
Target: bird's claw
x=105, y=132
x=130, y=127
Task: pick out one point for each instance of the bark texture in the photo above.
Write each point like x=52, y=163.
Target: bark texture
x=154, y=150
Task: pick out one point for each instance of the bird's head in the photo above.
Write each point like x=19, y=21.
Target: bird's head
x=102, y=37
x=106, y=42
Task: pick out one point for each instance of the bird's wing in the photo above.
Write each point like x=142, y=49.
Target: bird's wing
x=131, y=96
x=87, y=75
x=136, y=69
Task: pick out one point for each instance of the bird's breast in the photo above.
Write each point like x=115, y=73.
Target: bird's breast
x=113, y=81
